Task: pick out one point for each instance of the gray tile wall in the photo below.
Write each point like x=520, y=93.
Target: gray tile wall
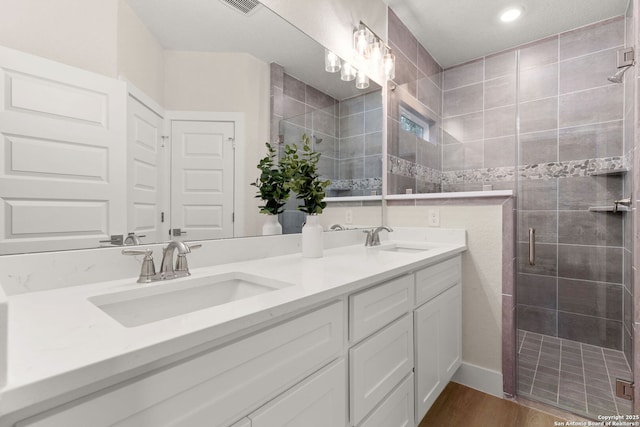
x=359, y=156
x=417, y=87
x=347, y=133
x=570, y=112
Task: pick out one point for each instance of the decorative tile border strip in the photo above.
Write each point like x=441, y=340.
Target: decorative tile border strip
x=501, y=174
x=398, y=166
x=356, y=184
x=552, y=170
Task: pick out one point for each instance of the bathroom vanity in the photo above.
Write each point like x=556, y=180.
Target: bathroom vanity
x=365, y=336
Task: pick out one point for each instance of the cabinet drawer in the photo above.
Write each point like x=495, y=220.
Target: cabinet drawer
x=431, y=281
x=396, y=410
x=373, y=308
x=320, y=400
x=215, y=388
x=378, y=364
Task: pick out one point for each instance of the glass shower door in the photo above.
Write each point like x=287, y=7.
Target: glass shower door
x=574, y=288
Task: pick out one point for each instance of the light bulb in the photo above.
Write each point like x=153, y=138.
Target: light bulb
x=362, y=81
x=360, y=43
x=331, y=61
x=347, y=73
x=375, y=53
x=389, y=66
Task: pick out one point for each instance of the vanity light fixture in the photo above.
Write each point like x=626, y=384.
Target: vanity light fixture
x=331, y=61
x=369, y=47
x=511, y=14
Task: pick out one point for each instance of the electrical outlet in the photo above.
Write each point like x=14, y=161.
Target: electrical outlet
x=433, y=217
x=348, y=218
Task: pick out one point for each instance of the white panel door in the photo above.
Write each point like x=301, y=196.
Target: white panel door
x=63, y=156
x=202, y=179
x=145, y=154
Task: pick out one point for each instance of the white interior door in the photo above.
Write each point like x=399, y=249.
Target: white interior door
x=62, y=173
x=145, y=154
x=202, y=163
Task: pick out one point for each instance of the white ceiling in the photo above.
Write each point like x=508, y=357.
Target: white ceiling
x=211, y=25
x=457, y=31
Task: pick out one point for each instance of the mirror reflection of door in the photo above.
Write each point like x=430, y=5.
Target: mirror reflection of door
x=144, y=151
x=202, y=162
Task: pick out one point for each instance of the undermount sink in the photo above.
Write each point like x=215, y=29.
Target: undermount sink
x=405, y=247
x=181, y=296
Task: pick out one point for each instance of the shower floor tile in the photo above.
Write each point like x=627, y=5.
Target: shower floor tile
x=578, y=377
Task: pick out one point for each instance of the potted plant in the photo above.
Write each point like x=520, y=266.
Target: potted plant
x=310, y=189
x=273, y=188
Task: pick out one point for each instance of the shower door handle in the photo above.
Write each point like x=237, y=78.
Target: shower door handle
x=532, y=246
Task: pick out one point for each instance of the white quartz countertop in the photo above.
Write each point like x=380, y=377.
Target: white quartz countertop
x=60, y=342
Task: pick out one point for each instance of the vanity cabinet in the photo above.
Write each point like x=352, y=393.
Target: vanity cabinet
x=438, y=344
x=216, y=388
x=403, y=346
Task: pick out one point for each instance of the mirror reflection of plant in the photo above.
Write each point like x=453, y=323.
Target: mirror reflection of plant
x=305, y=180
x=273, y=183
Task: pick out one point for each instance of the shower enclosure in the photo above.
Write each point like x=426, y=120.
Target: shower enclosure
x=574, y=140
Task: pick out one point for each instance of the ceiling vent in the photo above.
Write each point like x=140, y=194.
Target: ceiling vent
x=246, y=7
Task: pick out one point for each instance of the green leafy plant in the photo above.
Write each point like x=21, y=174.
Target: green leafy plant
x=273, y=183
x=305, y=180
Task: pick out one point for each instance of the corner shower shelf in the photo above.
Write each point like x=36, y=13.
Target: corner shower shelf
x=608, y=209
x=609, y=172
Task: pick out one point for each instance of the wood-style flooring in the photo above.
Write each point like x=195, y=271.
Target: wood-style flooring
x=460, y=406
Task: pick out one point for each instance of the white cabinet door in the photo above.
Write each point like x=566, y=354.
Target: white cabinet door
x=378, y=364
x=319, y=401
x=62, y=155
x=144, y=190
x=438, y=335
x=451, y=335
x=202, y=163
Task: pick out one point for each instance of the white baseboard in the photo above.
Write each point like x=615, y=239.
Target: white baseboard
x=479, y=378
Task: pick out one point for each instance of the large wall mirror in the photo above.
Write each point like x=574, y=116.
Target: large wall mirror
x=206, y=86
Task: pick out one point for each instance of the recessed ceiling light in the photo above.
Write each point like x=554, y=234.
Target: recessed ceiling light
x=511, y=14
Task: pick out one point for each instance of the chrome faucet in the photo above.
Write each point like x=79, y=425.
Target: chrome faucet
x=167, y=271
x=336, y=227
x=373, y=235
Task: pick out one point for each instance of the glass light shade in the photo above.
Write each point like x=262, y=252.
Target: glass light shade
x=375, y=53
x=331, y=61
x=347, y=73
x=389, y=66
x=361, y=42
x=362, y=81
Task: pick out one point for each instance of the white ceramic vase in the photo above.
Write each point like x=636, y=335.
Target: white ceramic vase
x=271, y=226
x=312, y=237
